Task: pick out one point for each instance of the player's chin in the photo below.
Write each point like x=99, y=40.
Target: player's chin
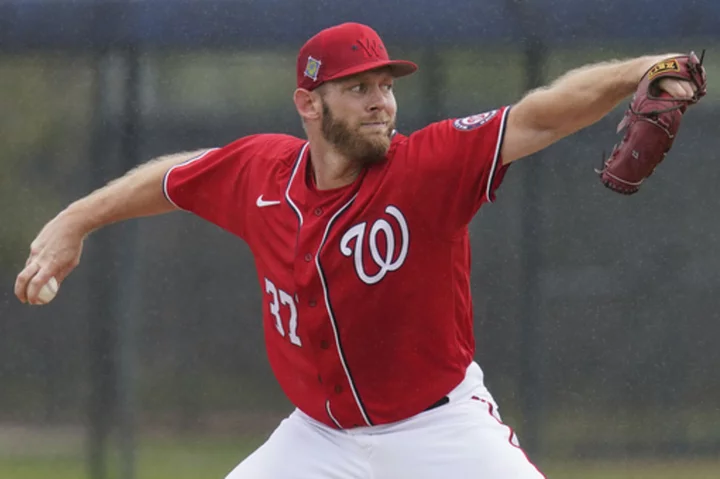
x=375, y=152
x=379, y=140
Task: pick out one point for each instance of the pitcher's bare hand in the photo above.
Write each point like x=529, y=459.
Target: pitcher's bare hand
x=54, y=252
x=681, y=89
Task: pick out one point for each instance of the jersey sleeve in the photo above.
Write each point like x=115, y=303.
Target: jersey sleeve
x=459, y=164
x=215, y=184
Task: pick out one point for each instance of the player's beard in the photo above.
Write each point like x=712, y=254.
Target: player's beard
x=362, y=149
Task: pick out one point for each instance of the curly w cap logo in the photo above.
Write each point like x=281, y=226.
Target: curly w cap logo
x=387, y=252
x=312, y=68
x=371, y=48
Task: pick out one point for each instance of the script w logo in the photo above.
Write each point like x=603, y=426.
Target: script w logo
x=395, y=253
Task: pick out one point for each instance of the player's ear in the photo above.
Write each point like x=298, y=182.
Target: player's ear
x=308, y=104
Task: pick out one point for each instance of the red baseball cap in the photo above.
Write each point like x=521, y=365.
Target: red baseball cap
x=344, y=50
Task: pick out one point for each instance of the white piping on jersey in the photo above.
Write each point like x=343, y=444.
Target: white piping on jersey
x=496, y=158
x=298, y=162
x=333, y=323
x=292, y=177
x=332, y=418
x=186, y=162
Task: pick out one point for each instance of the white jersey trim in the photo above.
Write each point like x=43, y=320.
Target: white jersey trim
x=333, y=322
x=330, y=414
x=496, y=158
x=290, y=182
x=326, y=295
x=186, y=162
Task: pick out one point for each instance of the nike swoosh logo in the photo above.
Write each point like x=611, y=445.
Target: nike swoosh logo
x=262, y=203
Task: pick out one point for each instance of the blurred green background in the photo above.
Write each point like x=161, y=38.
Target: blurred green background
x=596, y=315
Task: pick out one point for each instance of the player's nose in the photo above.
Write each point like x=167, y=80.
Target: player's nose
x=377, y=99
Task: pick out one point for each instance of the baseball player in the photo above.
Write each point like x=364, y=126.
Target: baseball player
x=360, y=237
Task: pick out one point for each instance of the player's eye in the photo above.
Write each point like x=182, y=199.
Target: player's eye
x=359, y=88
x=388, y=87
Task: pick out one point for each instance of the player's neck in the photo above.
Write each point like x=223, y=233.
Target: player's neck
x=330, y=168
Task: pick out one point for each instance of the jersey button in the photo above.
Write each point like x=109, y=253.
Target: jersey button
x=308, y=257
x=338, y=389
x=318, y=211
x=324, y=344
x=312, y=303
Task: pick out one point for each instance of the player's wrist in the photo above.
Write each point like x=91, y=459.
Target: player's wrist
x=80, y=218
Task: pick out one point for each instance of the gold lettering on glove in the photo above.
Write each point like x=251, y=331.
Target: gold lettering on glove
x=662, y=67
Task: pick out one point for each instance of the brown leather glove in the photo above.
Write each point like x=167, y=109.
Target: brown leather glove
x=651, y=122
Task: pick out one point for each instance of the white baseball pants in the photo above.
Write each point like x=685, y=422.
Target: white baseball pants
x=464, y=439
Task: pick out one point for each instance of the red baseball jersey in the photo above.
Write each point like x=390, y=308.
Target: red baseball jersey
x=367, y=310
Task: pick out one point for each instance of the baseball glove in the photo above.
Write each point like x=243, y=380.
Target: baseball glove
x=651, y=122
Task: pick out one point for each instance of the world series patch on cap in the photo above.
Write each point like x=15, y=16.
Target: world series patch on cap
x=312, y=68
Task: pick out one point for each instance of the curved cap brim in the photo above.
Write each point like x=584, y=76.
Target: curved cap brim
x=398, y=68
